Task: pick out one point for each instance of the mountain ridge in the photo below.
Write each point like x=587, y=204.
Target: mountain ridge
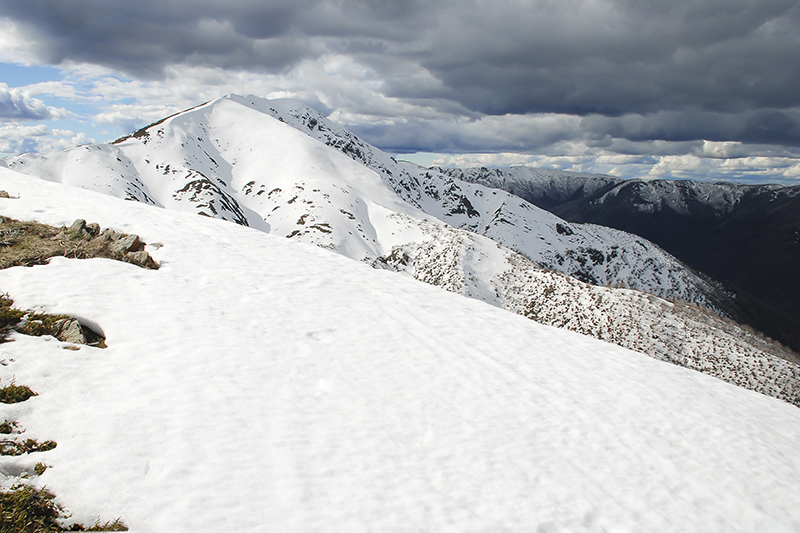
x=745, y=236
x=266, y=168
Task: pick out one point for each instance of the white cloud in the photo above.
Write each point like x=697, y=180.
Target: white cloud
x=17, y=104
x=503, y=159
x=17, y=130
x=15, y=47
x=18, y=138
x=51, y=88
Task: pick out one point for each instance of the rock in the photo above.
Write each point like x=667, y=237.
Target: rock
x=69, y=330
x=141, y=259
x=125, y=244
x=104, y=237
x=93, y=229
x=78, y=226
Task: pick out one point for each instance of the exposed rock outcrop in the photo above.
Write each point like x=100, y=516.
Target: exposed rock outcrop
x=31, y=243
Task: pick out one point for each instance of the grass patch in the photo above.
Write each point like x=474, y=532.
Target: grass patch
x=7, y=428
x=40, y=324
x=14, y=393
x=116, y=525
x=9, y=317
x=25, y=509
x=13, y=448
x=32, y=243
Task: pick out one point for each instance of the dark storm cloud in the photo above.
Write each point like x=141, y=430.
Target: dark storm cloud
x=768, y=126
x=723, y=70
x=141, y=38
x=615, y=58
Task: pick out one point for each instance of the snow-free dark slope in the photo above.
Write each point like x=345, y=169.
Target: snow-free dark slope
x=545, y=188
x=746, y=236
x=280, y=167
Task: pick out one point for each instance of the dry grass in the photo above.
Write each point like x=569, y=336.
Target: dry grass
x=32, y=243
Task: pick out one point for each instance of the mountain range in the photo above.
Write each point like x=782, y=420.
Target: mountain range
x=285, y=369
x=280, y=167
x=745, y=236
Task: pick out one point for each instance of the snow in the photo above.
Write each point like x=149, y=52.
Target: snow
x=601, y=255
x=256, y=383
x=280, y=166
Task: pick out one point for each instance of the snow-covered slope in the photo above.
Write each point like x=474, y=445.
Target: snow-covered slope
x=237, y=159
x=744, y=235
x=255, y=383
x=595, y=254
x=231, y=159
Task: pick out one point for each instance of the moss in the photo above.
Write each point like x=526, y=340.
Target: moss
x=6, y=428
x=38, y=324
x=14, y=393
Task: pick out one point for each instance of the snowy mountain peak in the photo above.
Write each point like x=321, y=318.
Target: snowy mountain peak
x=283, y=168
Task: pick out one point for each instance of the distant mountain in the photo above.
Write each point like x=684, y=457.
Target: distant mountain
x=745, y=236
x=282, y=168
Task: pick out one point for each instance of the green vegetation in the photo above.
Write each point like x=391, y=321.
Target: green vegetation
x=9, y=317
x=12, y=447
x=40, y=324
x=116, y=525
x=14, y=393
x=25, y=509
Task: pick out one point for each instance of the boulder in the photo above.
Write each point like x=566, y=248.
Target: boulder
x=93, y=229
x=125, y=244
x=69, y=330
x=141, y=259
x=78, y=226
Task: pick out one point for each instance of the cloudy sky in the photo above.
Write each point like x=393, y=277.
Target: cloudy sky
x=703, y=89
